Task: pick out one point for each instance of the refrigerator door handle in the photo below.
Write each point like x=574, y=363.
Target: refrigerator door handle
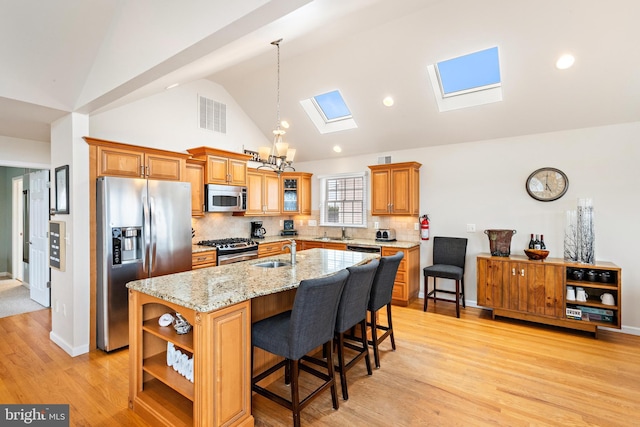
x=147, y=233
x=154, y=236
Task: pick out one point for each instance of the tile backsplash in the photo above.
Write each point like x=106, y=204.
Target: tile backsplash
x=223, y=225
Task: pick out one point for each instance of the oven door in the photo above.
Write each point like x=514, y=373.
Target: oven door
x=231, y=258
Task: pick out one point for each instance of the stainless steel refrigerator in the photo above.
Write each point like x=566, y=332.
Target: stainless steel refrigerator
x=144, y=230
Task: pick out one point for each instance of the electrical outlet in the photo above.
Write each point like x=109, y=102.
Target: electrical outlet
x=282, y=223
x=313, y=223
x=471, y=228
x=416, y=226
x=376, y=225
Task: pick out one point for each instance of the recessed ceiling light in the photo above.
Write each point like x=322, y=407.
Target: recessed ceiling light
x=284, y=124
x=388, y=101
x=172, y=86
x=337, y=149
x=565, y=61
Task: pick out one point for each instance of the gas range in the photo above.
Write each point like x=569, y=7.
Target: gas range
x=232, y=250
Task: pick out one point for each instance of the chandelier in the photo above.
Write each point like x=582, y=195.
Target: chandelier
x=279, y=156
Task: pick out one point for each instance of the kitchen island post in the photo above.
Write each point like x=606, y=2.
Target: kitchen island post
x=217, y=302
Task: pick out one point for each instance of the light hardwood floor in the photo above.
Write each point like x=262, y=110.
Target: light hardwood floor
x=446, y=372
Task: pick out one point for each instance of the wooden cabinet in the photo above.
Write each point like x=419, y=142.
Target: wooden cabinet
x=263, y=193
x=536, y=291
x=203, y=259
x=195, y=175
x=130, y=161
x=407, y=283
x=222, y=167
x=219, y=339
x=395, y=189
x=296, y=193
x=312, y=244
x=273, y=248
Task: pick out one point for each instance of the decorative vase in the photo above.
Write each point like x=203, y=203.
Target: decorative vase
x=500, y=241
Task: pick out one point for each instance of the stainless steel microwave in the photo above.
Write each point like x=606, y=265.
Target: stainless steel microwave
x=225, y=198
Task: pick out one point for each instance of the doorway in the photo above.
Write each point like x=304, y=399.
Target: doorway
x=17, y=229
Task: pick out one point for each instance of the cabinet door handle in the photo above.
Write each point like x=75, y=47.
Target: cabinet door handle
x=513, y=271
x=522, y=272
x=141, y=170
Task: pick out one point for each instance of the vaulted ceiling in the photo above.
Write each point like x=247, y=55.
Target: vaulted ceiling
x=64, y=55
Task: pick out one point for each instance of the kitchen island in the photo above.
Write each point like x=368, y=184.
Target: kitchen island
x=220, y=303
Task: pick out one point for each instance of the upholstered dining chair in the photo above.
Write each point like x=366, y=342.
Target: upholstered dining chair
x=352, y=311
x=294, y=333
x=448, y=263
x=381, y=293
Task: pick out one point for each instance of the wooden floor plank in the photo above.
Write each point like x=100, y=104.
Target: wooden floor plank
x=471, y=371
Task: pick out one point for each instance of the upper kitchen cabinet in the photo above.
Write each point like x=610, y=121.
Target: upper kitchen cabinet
x=222, y=167
x=195, y=175
x=263, y=192
x=117, y=159
x=395, y=189
x=296, y=193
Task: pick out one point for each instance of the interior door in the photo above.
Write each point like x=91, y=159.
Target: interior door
x=38, y=224
x=16, y=226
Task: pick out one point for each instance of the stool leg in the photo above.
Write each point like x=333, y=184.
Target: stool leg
x=426, y=292
x=330, y=371
x=458, y=298
x=462, y=283
x=435, y=296
x=365, y=346
x=393, y=341
x=341, y=368
x=295, y=394
x=374, y=340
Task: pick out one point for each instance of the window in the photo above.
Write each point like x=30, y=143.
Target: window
x=329, y=112
x=344, y=200
x=467, y=80
x=332, y=106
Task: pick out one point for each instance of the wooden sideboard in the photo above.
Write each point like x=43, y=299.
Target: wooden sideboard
x=536, y=291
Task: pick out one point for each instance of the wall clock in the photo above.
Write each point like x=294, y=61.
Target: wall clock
x=547, y=184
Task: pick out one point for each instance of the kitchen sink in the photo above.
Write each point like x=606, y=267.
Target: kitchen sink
x=273, y=264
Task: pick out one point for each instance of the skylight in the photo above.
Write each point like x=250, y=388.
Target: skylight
x=332, y=106
x=329, y=112
x=468, y=80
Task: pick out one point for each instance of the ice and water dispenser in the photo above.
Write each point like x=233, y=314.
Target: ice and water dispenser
x=127, y=245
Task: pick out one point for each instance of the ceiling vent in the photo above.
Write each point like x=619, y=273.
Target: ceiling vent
x=212, y=115
x=384, y=160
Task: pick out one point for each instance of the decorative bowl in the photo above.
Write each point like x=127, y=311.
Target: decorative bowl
x=538, y=254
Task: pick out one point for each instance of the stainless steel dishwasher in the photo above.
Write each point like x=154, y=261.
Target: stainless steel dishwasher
x=370, y=249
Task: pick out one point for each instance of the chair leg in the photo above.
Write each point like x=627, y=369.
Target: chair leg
x=457, y=298
x=393, y=340
x=330, y=371
x=367, y=359
x=462, y=284
x=426, y=293
x=295, y=393
x=374, y=339
x=341, y=366
x=435, y=299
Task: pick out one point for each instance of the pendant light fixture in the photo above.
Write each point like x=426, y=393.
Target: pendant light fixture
x=279, y=156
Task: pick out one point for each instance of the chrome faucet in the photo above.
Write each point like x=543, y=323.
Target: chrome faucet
x=344, y=233
x=292, y=249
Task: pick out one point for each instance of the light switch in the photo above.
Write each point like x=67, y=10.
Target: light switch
x=471, y=228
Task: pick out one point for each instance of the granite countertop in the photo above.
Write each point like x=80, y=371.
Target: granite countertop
x=404, y=244
x=209, y=289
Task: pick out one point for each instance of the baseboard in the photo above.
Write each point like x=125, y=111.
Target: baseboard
x=73, y=352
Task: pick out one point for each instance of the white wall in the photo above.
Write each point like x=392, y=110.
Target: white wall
x=24, y=153
x=70, y=289
x=483, y=183
x=169, y=121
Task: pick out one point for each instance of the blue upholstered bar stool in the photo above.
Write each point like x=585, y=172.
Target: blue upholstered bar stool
x=448, y=263
x=293, y=334
x=352, y=311
x=381, y=293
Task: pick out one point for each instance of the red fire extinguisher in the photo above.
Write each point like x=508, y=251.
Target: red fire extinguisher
x=424, y=227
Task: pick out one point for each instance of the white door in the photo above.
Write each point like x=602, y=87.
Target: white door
x=17, y=229
x=38, y=227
